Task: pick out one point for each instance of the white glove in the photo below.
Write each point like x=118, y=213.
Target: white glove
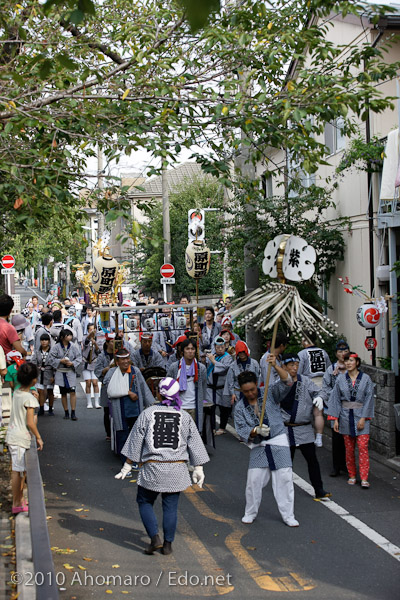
x=263, y=430
x=318, y=402
x=124, y=471
x=198, y=476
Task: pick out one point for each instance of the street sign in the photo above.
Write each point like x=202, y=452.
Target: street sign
x=370, y=343
x=167, y=271
x=167, y=280
x=8, y=271
x=8, y=261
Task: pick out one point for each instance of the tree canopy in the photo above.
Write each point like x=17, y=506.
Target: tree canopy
x=128, y=75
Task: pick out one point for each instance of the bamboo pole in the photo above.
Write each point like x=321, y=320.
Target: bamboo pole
x=272, y=349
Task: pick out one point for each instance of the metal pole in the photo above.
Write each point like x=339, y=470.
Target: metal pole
x=166, y=231
x=394, y=335
x=100, y=183
x=68, y=276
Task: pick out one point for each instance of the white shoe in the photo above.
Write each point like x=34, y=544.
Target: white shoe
x=318, y=440
x=89, y=405
x=96, y=404
x=246, y=519
x=292, y=522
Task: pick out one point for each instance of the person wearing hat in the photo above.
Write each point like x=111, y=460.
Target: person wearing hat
x=192, y=377
x=164, y=440
x=229, y=339
x=226, y=325
x=147, y=355
x=105, y=361
x=14, y=360
x=269, y=449
x=313, y=363
x=328, y=383
x=9, y=339
x=128, y=395
x=217, y=368
x=242, y=363
x=351, y=407
x=297, y=398
x=25, y=334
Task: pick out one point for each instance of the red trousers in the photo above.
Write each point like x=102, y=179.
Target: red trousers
x=363, y=456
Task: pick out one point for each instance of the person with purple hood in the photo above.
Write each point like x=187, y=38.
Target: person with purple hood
x=163, y=441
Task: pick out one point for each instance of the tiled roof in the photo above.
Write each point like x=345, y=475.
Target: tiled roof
x=175, y=176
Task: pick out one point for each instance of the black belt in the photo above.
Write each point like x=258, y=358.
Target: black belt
x=289, y=424
x=215, y=387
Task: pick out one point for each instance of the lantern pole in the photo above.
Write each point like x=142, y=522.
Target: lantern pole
x=279, y=263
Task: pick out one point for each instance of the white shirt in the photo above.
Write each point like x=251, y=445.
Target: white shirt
x=189, y=397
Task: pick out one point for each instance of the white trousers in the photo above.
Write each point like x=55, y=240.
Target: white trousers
x=282, y=487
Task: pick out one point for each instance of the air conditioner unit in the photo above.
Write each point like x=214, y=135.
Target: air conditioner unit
x=383, y=273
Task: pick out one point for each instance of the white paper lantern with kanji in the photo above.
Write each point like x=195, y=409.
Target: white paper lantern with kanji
x=197, y=259
x=104, y=273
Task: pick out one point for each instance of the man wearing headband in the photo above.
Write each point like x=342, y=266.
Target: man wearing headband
x=217, y=368
x=270, y=455
x=297, y=395
x=242, y=363
x=328, y=383
x=147, y=356
x=281, y=342
x=128, y=395
x=164, y=440
x=314, y=361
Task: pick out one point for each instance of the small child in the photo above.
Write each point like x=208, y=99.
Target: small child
x=15, y=360
x=45, y=383
x=90, y=354
x=18, y=438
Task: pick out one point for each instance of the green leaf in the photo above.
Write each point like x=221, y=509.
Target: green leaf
x=87, y=6
x=76, y=17
x=45, y=68
x=199, y=12
x=9, y=127
x=66, y=62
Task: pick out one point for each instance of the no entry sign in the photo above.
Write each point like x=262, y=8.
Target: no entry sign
x=8, y=261
x=167, y=271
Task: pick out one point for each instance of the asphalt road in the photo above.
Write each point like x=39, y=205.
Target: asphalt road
x=96, y=532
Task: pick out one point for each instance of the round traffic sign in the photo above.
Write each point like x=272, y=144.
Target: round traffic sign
x=8, y=261
x=167, y=270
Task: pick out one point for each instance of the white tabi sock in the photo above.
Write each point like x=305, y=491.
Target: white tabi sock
x=89, y=400
x=96, y=400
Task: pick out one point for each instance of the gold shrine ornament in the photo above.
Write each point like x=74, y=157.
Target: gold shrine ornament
x=197, y=259
x=104, y=272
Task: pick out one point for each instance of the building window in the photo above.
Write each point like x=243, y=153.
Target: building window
x=335, y=139
x=266, y=186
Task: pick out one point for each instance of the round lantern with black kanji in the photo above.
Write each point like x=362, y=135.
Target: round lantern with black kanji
x=104, y=273
x=197, y=259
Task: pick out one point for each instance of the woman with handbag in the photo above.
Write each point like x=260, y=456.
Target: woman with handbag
x=66, y=358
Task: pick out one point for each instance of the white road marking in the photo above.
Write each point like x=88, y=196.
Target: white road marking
x=341, y=512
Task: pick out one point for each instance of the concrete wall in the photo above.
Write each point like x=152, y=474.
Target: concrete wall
x=383, y=428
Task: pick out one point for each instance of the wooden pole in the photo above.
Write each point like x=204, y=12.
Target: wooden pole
x=266, y=386
x=197, y=332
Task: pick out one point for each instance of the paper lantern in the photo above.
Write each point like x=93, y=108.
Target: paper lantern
x=368, y=315
x=198, y=259
x=104, y=272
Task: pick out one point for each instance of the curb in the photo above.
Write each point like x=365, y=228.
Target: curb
x=23, y=546
x=5, y=561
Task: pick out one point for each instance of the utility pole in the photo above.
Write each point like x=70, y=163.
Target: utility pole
x=100, y=184
x=166, y=231
x=68, y=276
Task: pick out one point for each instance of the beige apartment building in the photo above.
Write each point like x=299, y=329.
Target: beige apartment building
x=372, y=243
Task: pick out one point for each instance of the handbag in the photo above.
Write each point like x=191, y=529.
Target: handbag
x=119, y=384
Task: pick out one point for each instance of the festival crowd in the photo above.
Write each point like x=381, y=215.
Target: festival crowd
x=169, y=380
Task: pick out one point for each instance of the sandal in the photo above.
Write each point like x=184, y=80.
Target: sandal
x=364, y=483
x=352, y=481
x=18, y=509
x=220, y=432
